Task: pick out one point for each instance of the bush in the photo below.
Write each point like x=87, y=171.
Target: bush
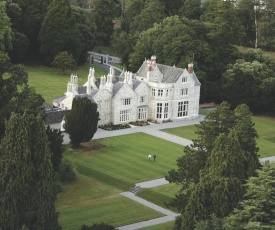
x=111, y=126
x=66, y=171
x=139, y=123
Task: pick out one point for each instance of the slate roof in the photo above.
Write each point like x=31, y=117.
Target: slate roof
x=170, y=73
x=55, y=116
x=59, y=99
x=117, y=87
x=136, y=84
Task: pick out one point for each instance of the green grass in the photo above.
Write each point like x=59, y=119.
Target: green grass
x=106, y=167
x=50, y=83
x=265, y=127
x=123, y=161
x=165, y=226
x=160, y=195
x=88, y=201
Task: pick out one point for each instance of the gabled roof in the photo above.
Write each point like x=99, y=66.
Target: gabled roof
x=59, y=99
x=136, y=83
x=170, y=73
x=117, y=87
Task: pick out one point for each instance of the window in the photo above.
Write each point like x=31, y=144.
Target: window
x=142, y=113
x=153, y=92
x=167, y=93
x=126, y=101
x=124, y=115
x=183, y=91
x=159, y=110
x=184, y=79
x=160, y=92
x=165, y=115
x=142, y=99
x=162, y=110
x=182, y=108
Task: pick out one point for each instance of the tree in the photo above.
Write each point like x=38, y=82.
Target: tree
x=27, y=188
x=87, y=31
x=59, y=32
x=104, y=15
x=6, y=32
x=33, y=13
x=55, y=138
x=257, y=209
x=64, y=61
x=81, y=122
x=191, y=9
x=214, y=168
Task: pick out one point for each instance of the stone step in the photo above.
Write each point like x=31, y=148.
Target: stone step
x=136, y=189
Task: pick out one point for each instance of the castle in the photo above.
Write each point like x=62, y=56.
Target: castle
x=156, y=92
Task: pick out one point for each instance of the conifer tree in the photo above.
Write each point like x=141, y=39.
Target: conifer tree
x=59, y=31
x=27, y=189
x=81, y=122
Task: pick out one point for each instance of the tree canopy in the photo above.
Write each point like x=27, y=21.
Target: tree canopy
x=59, y=31
x=27, y=187
x=214, y=168
x=81, y=122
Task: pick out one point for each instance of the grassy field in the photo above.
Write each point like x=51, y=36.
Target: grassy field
x=50, y=83
x=106, y=167
x=265, y=127
x=165, y=226
x=160, y=195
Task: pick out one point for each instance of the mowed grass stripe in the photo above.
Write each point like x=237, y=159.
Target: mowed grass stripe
x=118, y=211
x=265, y=127
x=125, y=158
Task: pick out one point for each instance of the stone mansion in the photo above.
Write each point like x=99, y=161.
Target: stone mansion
x=156, y=92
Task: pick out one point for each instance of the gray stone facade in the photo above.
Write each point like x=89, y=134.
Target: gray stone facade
x=156, y=92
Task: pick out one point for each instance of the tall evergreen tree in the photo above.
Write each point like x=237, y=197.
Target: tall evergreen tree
x=27, y=189
x=257, y=209
x=215, y=166
x=59, y=31
x=81, y=122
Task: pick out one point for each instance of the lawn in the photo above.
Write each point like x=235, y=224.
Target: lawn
x=165, y=226
x=50, y=83
x=88, y=201
x=106, y=167
x=265, y=127
x=160, y=195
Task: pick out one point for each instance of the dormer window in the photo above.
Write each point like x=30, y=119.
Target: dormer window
x=184, y=79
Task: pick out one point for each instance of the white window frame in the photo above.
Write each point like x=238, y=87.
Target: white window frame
x=124, y=115
x=160, y=92
x=184, y=91
x=159, y=111
x=153, y=92
x=142, y=114
x=184, y=79
x=142, y=99
x=165, y=112
x=162, y=110
x=126, y=101
x=182, y=109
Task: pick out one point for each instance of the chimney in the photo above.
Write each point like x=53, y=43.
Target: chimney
x=190, y=68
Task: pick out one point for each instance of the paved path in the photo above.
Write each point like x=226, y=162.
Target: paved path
x=169, y=215
x=154, y=130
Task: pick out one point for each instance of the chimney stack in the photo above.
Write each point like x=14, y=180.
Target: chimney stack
x=190, y=68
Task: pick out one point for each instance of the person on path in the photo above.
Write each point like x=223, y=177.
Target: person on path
x=149, y=157
x=154, y=157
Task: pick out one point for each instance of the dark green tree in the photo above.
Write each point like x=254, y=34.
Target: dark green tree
x=214, y=168
x=153, y=12
x=33, y=13
x=6, y=31
x=59, y=32
x=81, y=122
x=64, y=60
x=257, y=209
x=27, y=188
x=191, y=9
x=86, y=26
x=104, y=15
x=55, y=138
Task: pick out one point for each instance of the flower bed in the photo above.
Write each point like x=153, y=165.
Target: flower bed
x=139, y=123
x=111, y=126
